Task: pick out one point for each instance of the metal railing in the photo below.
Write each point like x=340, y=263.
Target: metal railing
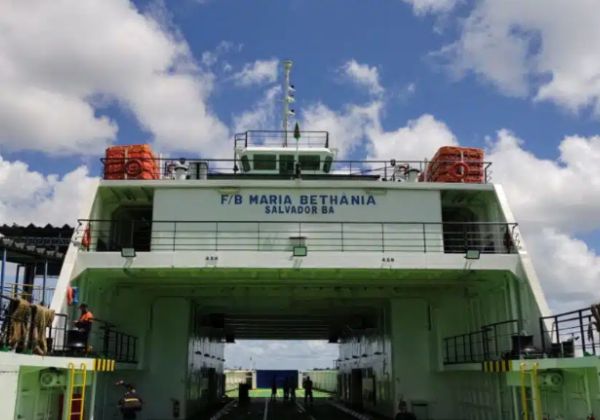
x=570, y=333
x=491, y=342
x=274, y=138
x=383, y=170
x=55, y=333
x=116, y=344
x=31, y=292
x=112, y=235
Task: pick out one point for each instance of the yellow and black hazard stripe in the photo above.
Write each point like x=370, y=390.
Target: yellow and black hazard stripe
x=104, y=365
x=496, y=366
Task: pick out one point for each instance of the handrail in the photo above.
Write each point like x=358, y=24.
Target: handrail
x=116, y=344
x=570, y=331
x=323, y=236
x=55, y=331
x=490, y=342
x=383, y=170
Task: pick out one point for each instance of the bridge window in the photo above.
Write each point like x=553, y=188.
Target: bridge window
x=286, y=164
x=265, y=162
x=310, y=162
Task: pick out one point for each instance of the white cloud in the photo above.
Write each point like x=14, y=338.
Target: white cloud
x=347, y=129
x=262, y=116
x=362, y=75
x=61, y=60
x=546, y=47
x=418, y=140
x=27, y=196
x=422, y=7
x=561, y=193
x=210, y=58
x=276, y=354
x=569, y=270
x=257, y=73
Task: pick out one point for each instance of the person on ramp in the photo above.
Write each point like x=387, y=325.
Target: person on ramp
x=274, y=389
x=130, y=403
x=308, y=390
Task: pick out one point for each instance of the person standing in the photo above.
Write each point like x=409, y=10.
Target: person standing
x=130, y=403
x=274, y=389
x=308, y=390
x=286, y=388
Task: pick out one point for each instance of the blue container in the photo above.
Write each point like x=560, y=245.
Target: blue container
x=264, y=378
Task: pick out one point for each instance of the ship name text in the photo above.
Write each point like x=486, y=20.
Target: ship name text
x=301, y=204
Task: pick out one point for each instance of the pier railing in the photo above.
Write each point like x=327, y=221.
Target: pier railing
x=160, y=235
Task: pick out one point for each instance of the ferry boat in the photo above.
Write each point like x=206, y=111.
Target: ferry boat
x=416, y=269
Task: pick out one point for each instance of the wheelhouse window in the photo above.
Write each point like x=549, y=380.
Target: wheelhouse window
x=286, y=164
x=265, y=162
x=310, y=162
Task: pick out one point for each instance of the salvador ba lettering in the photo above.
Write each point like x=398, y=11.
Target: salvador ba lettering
x=298, y=204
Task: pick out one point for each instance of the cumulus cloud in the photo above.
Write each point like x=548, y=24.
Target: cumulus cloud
x=362, y=75
x=540, y=47
x=27, y=196
x=61, y=61
x=560, y=259
x=422, y=7
x=559, y=193
x=262, y=115
x=274, y=354
x=259, y=72
x=347, y=128
x=418, y=140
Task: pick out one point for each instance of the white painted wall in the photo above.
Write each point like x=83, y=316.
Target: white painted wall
x=9, y=382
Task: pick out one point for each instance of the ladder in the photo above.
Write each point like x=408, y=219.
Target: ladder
x=535, y=399
x=74, y=375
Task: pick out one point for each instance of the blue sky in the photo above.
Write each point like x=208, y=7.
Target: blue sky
x=387, y=78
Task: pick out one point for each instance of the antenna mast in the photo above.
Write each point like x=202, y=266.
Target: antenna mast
x=288, y=97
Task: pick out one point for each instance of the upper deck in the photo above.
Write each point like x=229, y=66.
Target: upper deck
x=285, y=194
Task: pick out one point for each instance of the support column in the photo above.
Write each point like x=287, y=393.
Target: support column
x=29, y=281
x=92, y=406
x=44, y=282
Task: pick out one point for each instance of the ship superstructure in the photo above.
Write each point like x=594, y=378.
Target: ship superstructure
x=425, y=284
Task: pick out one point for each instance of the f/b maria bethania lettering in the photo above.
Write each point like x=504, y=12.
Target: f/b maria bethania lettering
x=301, y=204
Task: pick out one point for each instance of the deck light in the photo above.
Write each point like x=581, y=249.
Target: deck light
x=472, y=254
x=300, y=251
x=128, y=252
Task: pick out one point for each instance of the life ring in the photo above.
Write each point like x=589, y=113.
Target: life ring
x=456, y=172
x=133, y=168
x=69, y=295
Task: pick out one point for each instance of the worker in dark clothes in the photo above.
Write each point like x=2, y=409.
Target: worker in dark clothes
x=286, y=388
x=130, y=403
x=84, y=323
x=293, y=390
x=274, y=389
x=308, y=390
